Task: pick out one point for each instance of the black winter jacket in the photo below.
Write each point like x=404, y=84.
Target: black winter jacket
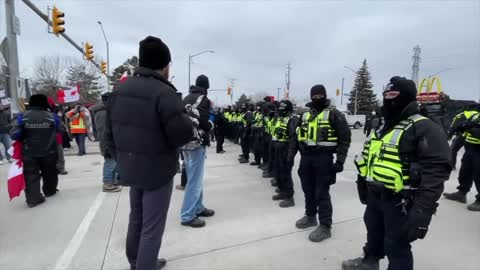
x=146, y=124
x=203, y=109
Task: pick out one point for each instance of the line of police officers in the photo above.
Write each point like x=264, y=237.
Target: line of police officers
x=401, y=170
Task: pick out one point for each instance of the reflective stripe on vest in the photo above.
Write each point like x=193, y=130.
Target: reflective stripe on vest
x=317, y=131
x=78, y=124
x=281, y=129
x=469, y=138
x=380, y=160
x=257, y=120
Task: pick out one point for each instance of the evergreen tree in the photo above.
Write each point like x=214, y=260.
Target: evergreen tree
x=367, y=99
x=88, y=81
x=242, y=99
x=129, y=66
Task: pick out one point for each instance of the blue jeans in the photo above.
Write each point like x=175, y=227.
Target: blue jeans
x=109, y=171
x=193, y=200
x=7, y=142
x=80, y=139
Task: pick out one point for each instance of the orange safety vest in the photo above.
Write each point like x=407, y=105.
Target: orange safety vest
x=77, y=125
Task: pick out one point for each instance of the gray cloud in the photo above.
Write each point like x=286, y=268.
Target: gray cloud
x=254, y=40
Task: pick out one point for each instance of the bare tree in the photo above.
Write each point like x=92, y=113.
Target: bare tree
x=49, y=72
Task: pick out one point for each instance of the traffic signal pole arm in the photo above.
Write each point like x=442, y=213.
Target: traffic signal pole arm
x=47, y=20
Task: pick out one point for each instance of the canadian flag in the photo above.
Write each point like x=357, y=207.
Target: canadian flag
x=68, y=95
x=124, y=77
x=16, y=179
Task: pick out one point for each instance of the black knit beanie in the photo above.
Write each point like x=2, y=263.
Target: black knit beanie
x=202, y=81
x=153, y=53
x=318, y=90
x=39, y=101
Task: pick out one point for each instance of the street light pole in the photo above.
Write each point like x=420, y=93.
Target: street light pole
x=108, y=56
x=190, y=57
x=356, y=91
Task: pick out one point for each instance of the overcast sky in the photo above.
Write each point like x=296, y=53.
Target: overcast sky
x=253, y=41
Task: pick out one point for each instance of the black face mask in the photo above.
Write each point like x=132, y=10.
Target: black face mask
x=282, y=113
x=319, y=103
x=393, y=108
x=272, y=114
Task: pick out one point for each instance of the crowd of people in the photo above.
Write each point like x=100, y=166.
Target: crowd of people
x=405, y=160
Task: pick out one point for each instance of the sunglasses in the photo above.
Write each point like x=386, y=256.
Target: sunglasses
x=391, y=94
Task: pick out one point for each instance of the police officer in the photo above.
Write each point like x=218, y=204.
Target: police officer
x=228, y=123
x=37, y=129
x=236, y=128
x=459, y=140
x=220, y=126
x=322, y=132
x=470, y=170
x=285, y=131
x=257, y=135
x=402, y=170
x=246, y=119
x=268, y=110
x=269, y=173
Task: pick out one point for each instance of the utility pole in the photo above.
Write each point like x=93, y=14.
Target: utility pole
x=416, y=63
x=278, y=93
x=108, y=56
x=232, y=85
x=13, y=30
x=287, y=81
x=341, y=98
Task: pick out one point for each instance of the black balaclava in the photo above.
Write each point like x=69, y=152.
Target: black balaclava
x=259, y=106
x=318, y=94
x=393, y=108
x=244, y=107
x=285, y=108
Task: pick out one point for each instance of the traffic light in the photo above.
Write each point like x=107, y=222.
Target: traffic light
x=57, y=21
x=338, y=92
x=229, y=90
x=88, y=51
x=103, y=67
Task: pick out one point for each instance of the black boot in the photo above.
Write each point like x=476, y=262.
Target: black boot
x=360, y=264
x=35, y=203
x=321, y=233
x=274, y=183
x=474, y=206
x=458, y=196
x=279, y=196
x=243, y=160
x=290, y=202
x=306, y=222
x=254, y=163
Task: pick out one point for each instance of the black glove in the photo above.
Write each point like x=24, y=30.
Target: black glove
x=418, y=221
x=362, y=189
x=338, y=167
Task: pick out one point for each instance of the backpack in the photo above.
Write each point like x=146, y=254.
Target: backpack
x=198, y=133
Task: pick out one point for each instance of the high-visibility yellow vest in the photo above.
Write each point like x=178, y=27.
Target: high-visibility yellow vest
x=257, y=120
x=380, y=160
x=271, y=129
x=281, y=129
x=227, y=116
x=242, y=119
x=317, y=131
x=469, y=137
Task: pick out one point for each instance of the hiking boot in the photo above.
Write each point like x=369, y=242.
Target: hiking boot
x=306, y=222
x=240, y=156
x=474, y=206
x=274, y=183
x=321, y=233
x=279, y=196
x=111, y=188
x=290, y=202
x=254, y=163
x=243, y=160
x=51, y=194
x=180, y=187
x=221, y=152
x=360, y=264
x=458, y=196
x=194, y=223
x=33, y=204
x=267, y=175
x=206, y=213
x=277, y=190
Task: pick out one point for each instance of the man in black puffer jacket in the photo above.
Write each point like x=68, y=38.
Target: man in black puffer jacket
x=146, y=124
x=194, y=156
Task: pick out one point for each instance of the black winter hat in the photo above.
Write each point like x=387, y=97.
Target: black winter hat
x=153, y=53
x=286, y=105
x=202, y=81
x=406, y=87
x=318, y=90
x=39, y=101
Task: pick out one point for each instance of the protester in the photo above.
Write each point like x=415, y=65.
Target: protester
x=37, y=129
x=198, y=106
x=5, y=126
x=60, y=154
x=109, y=164
x=80, y=126
x=146, y=148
